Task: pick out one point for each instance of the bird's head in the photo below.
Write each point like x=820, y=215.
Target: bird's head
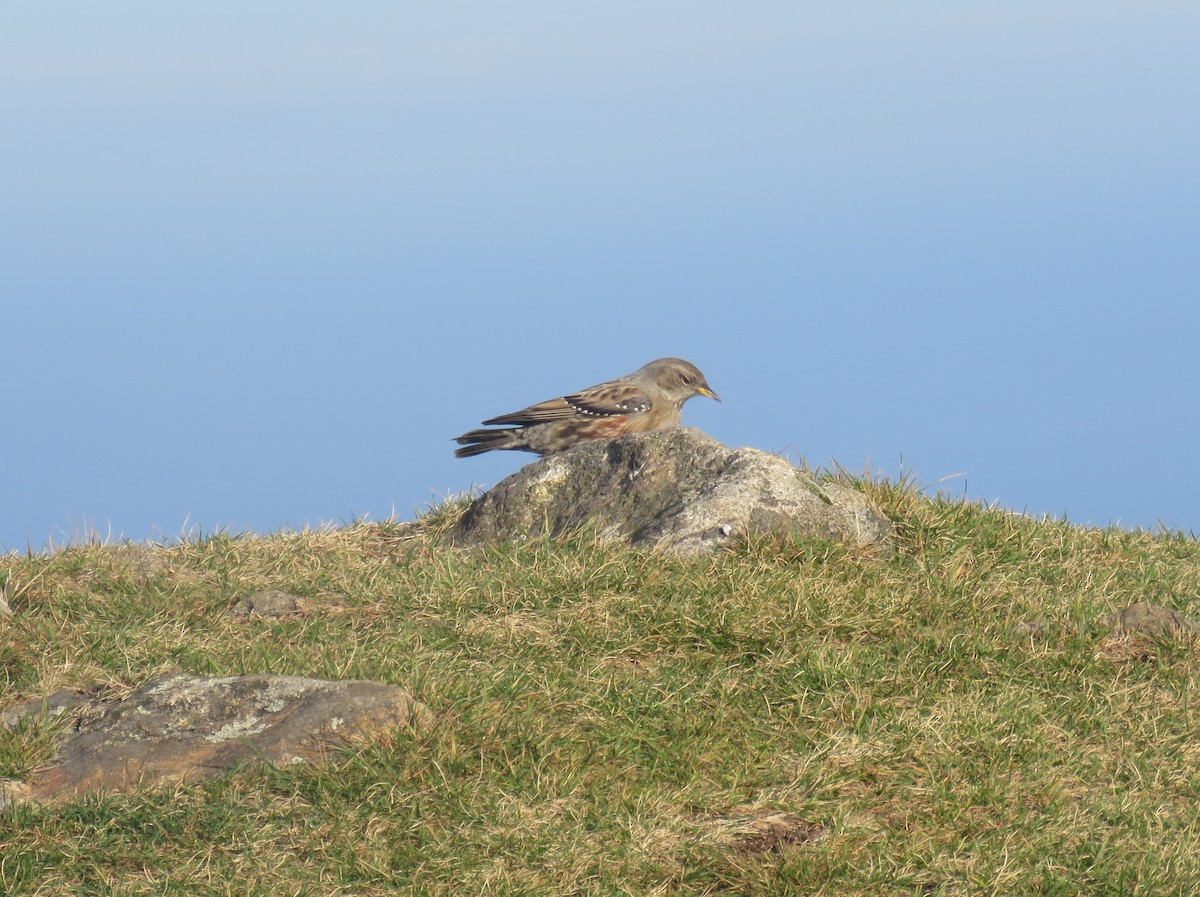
x=679, y=379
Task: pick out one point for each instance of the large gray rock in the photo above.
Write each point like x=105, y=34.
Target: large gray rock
x=182, y=728
x=676, y=490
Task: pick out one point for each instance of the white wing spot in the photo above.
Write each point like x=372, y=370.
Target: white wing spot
x=625, y=407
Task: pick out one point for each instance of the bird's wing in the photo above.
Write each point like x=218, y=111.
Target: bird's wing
x=605, y=400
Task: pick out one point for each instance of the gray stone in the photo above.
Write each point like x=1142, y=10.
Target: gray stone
x=6, y=588
x=270, y=603
x=1150, y=619
x=1034, y=629
x=182, y=728
x=1038, y=630
x=676, y=490
x=145, y=561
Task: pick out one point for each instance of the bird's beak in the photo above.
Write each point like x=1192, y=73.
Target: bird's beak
x=705, y=391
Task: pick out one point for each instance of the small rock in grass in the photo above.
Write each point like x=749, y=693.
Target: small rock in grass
x=270, y=603
x=1150, y=619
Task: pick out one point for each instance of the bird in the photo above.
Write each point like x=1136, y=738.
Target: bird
x=651, y=398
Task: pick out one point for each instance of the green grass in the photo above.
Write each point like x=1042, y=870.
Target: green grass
x=612, y=722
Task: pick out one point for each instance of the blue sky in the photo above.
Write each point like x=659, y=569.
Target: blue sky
x=260, y=262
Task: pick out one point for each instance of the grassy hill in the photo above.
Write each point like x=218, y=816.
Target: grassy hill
x=791, y=717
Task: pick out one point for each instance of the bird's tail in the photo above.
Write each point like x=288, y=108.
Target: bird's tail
x=476, y=442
